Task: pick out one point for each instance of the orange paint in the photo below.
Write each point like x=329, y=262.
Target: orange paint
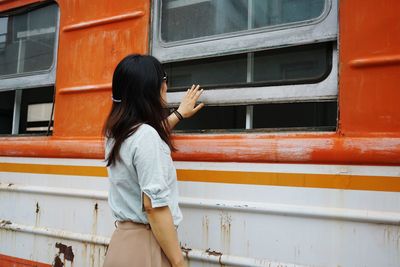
x=94, y=38
x=301, y=148
x=368, y=97
x=8, y=261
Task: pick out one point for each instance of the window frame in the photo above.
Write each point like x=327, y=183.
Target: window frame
x=29, y=80
x=41, y=78
x=324, y=29
x=321, y=91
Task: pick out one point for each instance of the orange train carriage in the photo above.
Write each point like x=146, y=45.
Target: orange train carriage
x=307, y=127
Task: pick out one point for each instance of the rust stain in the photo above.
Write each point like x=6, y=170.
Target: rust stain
x=66, y=251
x=95, y=218
x=37, y=214
x=5, y=222
x=58, y=262
x=205, y=224
x=186, y=250
x=225, y=223
x=37, y=207
x=217, y=254
x=213, y=253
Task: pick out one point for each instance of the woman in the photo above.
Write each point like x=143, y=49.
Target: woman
x=143, y=193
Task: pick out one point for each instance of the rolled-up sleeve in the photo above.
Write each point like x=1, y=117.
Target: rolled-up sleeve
x=148, y=161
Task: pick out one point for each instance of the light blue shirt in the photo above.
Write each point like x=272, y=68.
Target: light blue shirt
x=145, y=166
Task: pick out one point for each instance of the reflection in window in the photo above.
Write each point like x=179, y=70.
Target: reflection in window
x=189, y=19
x=300, y=64
x=27, y=41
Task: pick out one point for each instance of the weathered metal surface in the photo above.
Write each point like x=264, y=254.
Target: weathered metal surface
x=225, y=224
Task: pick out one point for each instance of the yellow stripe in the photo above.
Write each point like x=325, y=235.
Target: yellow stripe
x=354, y=182
x=54, y=169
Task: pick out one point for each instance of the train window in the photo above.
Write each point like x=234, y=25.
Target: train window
x=252, y=56
x=294, y=65
x=309, y=116
x=286, y=42
x=180, y=18
x=27, y=111
x=28, y=38
x=28, y=52
x=191, y=29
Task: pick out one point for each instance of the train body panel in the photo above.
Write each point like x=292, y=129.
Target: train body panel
x=256, y=197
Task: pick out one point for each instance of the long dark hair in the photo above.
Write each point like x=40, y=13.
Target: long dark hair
x=137, y=99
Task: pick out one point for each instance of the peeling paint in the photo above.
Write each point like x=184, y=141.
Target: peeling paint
x=66, y=251
x=57, y=262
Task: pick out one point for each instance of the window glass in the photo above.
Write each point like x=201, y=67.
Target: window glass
x=308, y=116
x=180, y=19
x=218, y=70
x=6, y=111
x=33, y=112
x=216, y=117
x=309, y=63
x=290, y=115
x=36, y=110
x=301, y=63
x=27, y=41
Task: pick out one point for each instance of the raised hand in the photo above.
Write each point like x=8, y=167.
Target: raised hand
x=188, y=104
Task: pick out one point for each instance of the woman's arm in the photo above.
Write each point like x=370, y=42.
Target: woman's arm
x=188, y=107
x=163, y=228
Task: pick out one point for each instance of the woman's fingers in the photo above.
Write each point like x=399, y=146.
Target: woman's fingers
x=198, y=107
x=198, y=94
x=191, y=90
x=194, y=90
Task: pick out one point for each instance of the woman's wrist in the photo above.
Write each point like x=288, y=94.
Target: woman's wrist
x=178, y=114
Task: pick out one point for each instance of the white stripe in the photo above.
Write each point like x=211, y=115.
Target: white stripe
x=388, y=171
x=291, y=168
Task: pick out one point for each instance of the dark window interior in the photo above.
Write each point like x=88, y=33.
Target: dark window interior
x=6, y=111
x=308, y=116
x=31, y=97
x=35, y=110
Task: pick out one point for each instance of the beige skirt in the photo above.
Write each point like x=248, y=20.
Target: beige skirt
x=134, y=245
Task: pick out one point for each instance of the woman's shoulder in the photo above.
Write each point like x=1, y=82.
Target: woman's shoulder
x=147, y=130
x=144, y=132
